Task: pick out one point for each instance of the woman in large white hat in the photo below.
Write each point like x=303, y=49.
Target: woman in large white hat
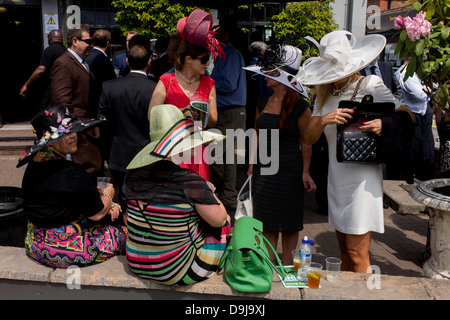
x=177, y=226
x=355, y=191
x=278, y=198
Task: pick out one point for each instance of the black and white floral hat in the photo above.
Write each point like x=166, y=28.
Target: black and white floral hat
x=53, y=124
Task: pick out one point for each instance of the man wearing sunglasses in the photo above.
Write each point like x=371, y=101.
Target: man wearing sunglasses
x=72, y=85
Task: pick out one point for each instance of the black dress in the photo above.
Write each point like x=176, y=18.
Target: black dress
x=278, y=198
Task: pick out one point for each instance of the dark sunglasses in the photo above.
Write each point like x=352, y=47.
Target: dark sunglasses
x=87, y=41
x=204, y=59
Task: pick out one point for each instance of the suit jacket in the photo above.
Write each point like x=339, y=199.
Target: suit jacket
x=161, y=66
x=388, y=77
x=71, y=86
x=124, y=103
x=101, y=69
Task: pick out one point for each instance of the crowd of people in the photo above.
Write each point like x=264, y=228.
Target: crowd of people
x=172, y=219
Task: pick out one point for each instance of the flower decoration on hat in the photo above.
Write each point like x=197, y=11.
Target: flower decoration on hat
x=51, y=125
x=196, y=30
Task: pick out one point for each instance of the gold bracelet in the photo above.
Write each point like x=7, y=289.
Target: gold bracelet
x=110, y=199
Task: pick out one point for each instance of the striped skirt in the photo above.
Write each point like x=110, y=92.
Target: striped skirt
x=168, y=244
x=76, y=243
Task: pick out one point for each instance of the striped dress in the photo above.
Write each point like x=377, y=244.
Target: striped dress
x=168, y=242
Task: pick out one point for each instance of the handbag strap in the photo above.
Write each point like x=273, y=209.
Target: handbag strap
x=358, y=84
x=281, y=271
x=249, y=182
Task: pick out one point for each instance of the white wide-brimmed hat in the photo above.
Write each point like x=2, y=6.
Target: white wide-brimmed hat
x=171, y=134
x=339, y=57
x=286, y=63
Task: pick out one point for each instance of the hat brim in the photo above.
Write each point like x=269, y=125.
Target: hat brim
x=315, y=71
x=76, y=126
x=146, y=156
x=284, y=78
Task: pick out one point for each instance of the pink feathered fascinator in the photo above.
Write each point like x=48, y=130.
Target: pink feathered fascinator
x=196, y=30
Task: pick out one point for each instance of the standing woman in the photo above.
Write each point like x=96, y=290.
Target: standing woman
x=188, y=82
x=278, y=198
x=355, y=191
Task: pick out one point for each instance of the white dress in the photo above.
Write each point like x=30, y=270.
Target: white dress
x=355, y=191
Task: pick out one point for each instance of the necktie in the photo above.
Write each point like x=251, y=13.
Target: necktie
x=372, y=68
x=86, y=66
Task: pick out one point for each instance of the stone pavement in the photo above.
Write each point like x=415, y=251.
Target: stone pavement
x=396, y=252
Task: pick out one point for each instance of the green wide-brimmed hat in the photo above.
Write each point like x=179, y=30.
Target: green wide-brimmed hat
x=171, y=133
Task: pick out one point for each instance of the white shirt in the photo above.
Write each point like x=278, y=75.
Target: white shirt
x=80, y=59
x=413, y=95
x=377, y=69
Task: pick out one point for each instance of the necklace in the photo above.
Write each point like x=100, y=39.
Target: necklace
x=340, y=92
x=186, y=80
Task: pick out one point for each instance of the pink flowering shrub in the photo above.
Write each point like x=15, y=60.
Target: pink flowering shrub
x=425, y=39
x=415, y=28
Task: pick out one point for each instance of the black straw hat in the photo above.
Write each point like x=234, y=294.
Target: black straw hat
x=53, y=124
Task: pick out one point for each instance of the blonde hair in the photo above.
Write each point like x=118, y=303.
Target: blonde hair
x=323, y=91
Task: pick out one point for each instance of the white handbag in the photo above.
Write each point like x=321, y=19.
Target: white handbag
x=244, y=201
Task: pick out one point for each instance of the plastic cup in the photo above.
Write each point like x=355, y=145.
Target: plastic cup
x=296, y=259
x=314, y=274
x=333, y=268
x=117, y=72
x=102, y=182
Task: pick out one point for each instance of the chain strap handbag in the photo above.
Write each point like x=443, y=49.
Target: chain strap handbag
x=354, y=145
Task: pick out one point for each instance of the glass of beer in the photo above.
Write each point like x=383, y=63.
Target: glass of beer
x=296, y=259
x=314, y=274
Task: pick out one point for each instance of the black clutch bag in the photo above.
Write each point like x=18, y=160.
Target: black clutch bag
x=354, y=145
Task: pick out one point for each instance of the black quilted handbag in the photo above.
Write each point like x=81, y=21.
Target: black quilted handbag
x=357, y=146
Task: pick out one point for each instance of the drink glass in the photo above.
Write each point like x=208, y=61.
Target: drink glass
x=102, y=182
x=296, y=259
x=314, y=274
x=333, y=268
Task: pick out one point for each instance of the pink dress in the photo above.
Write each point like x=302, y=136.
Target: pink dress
x=176, y=96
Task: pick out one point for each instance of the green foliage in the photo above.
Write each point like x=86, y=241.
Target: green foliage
x=430, y=55
x=301, y=19
x=153, y=18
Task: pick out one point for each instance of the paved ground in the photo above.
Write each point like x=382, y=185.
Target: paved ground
x=396, y=252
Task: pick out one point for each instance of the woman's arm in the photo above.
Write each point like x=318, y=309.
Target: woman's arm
x=215, y=215
x=318, y=123
x=108, y=206
x=158, y=97
x=212, y=101
x=303, y=122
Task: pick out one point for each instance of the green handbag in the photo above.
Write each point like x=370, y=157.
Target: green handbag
x=248, y=267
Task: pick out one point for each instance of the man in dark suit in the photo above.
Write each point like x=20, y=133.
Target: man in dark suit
x=124, y=104
x=102, y=70
x=71, y=85
x=384, y=70
x=101, y=66
x=161, y=64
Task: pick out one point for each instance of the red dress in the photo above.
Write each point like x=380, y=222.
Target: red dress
x=176, y=96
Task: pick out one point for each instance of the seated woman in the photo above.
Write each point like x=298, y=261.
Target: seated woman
x=62, y=202
x=177, y=227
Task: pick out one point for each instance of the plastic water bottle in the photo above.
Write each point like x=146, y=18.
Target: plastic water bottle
x=305, y=259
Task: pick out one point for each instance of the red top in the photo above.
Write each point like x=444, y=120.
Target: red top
x=176, y=96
